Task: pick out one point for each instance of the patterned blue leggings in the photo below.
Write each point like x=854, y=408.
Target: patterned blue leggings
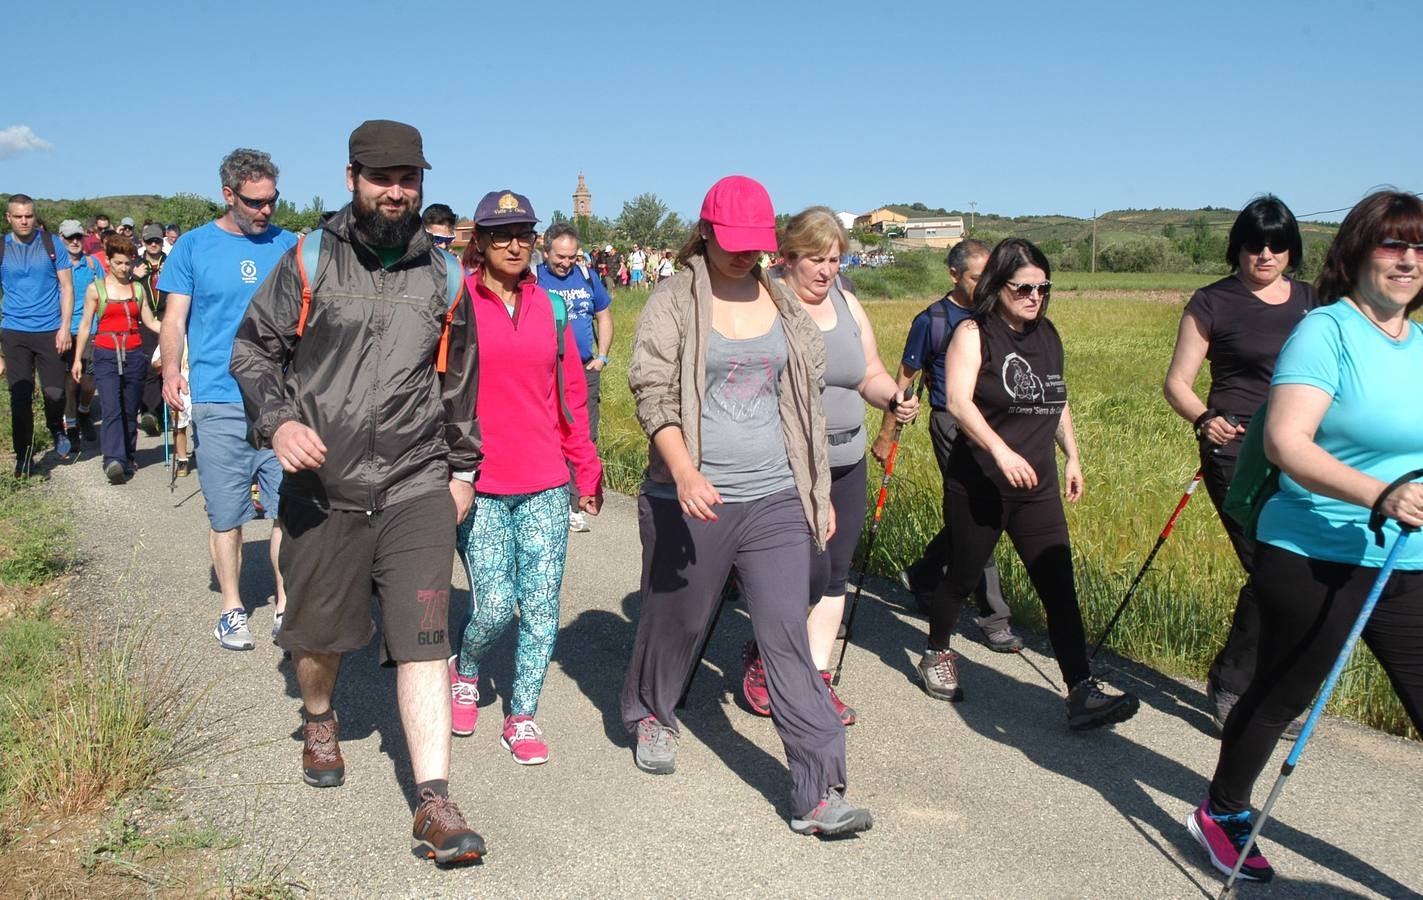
x=513, y=548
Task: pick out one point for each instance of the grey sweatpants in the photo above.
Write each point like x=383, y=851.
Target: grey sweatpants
x=685, y=562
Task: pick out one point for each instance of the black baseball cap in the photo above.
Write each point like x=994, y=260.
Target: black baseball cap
x=381, y=144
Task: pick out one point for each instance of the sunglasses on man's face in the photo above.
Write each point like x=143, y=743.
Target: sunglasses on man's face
x=1276, y=245
x=1024, y=289
x=441, y=240
x=74, y=237
x=256, y=204
x=153, y=240
x=1394, y=248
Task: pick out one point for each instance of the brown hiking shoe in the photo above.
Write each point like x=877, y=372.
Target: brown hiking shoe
x=321, y=762
x=441, y=833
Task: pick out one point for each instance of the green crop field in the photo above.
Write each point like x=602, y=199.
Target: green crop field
x=1137, y=456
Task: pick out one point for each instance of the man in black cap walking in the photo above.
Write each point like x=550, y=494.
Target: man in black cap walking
x=357, y=363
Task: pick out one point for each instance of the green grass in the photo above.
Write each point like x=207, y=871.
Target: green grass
x=1137, y=458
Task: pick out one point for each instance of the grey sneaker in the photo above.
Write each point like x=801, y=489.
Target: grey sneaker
x=578, y=522
x=833, y=815
x=1089, y=706
x=231, y=631
x=940, y=672
x=656, y=747
x=1002, y=639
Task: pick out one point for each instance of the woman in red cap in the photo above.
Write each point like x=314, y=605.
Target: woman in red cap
x=726, y=371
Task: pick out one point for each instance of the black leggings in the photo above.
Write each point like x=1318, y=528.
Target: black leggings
x=1306, y=610
x=977, y=516
x=1234, y=666
x=830, y=571
x=28, y=352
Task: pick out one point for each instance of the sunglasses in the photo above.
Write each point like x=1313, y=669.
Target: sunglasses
x=153, y=240
x=74, y=237
x=1024, y=289
x=441, y=240
x=1394, y=248
x=505, y=238
x=254, y=204
x=1276, y=245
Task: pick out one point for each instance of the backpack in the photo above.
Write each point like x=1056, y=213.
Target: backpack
x=308, y=256
x=139, y=296
x=944, y=317
x=48, y=241
x=1256, y=479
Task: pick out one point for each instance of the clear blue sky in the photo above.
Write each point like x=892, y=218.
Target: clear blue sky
x=1050, y=108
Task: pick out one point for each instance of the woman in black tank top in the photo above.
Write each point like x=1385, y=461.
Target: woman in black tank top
x=1004, y=373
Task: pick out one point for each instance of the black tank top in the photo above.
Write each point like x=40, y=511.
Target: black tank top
x=1021, y=393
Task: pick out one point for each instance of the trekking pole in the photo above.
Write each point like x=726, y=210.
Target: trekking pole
x=870, y=541
x=167, y=458
x=1375, y=523
x=1161, y=539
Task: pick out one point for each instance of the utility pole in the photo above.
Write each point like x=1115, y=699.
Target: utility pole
x=973, y=210
x=1094, y=241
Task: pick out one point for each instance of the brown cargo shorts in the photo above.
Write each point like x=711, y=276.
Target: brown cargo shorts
x=335, y=561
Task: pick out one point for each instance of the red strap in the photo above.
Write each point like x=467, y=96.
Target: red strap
x=442, y=356
x=305, y=288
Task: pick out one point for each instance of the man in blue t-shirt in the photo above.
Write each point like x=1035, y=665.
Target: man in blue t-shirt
x=924, y=350
x=589, y=316
x=34, y=327
x=209, y=278
x=79, y=394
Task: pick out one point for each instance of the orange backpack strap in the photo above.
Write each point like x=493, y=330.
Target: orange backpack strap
x=308, y=255
x=454, y=285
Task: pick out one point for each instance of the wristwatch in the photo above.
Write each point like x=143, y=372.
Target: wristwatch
x=603, y=358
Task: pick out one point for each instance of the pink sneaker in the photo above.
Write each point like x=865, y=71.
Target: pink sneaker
x=847, y=714
x=464, y=701
x=1223, y=837
x=524, y=740
x=753, y=683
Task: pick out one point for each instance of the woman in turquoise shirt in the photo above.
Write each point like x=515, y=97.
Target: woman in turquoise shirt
x=1342, y=425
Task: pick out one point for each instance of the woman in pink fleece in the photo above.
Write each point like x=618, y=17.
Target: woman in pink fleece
x=514, y=543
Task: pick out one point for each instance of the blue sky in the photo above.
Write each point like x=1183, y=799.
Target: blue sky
x=1028, y=108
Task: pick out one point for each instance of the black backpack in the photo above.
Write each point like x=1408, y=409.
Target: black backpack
x=48, y=240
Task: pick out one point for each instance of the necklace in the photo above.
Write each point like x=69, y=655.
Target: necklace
x=1403, y=326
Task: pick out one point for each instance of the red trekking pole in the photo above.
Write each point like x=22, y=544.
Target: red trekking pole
x=1165, y=533
x=870, y=541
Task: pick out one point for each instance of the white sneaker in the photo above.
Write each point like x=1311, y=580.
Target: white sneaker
x=577, y=521
x=231, y=631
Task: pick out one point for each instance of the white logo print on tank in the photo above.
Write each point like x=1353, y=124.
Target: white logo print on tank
x=1028, y=394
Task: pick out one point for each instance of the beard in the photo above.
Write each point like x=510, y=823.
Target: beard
x=378, y=229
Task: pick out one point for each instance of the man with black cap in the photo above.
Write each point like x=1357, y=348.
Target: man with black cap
x=357, y=362
x=146, y=269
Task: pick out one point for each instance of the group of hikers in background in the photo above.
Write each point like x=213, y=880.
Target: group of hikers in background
x=397, y=407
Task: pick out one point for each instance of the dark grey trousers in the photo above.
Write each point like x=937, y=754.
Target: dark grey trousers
x=685, y=562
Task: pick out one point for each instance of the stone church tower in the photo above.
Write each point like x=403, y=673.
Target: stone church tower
x=582, y=200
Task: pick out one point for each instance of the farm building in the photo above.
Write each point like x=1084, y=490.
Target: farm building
x=877, y=220
x=941, y=232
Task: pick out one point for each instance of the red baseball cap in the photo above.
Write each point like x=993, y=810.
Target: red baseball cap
x=741, y=215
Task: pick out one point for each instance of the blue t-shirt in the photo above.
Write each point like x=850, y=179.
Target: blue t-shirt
x=583, y=296
x=31, y=285
x=1370, y=425
x=928, y=339
x=221, y=272
x=86, y=270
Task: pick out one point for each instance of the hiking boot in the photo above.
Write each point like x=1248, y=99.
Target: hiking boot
x=441, y=832
x=72, y=432
x=86, y=427
x=1001, y=639
x=753, y=682
x=656, y=747
x=61, y=444
x=1292, y=730
x=114, y=471
x=231, y=631
x=149, y=423
x=847, y=714
x=833, y=815
x=940, y=671
x=321, y=762
x=1223, y=837
x=1089, y=706
x=524, y=740
x=185, y=468
x=464, y=701
x=577, y=521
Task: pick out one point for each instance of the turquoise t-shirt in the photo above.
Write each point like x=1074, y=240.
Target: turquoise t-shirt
x=86, y=270
x=30, y=282
x=221, y=272
x=1374, y=424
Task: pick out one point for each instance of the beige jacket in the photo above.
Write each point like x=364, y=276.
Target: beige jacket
x=667, y=375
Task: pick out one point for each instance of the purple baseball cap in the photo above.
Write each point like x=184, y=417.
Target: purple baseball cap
x=504, y=208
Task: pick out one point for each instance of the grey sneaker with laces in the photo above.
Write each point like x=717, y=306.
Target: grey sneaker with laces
x=231, y=631
x=656, y=747
x=1001, y=639
x=833, y=815
x=940, y=672
x=1090, y=706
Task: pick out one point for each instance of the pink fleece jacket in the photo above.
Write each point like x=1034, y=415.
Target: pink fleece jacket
x=525, y=437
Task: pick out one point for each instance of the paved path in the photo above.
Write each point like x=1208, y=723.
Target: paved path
x=989, y=798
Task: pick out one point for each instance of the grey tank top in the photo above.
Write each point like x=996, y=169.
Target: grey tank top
x=743, y=447
x=844, y=370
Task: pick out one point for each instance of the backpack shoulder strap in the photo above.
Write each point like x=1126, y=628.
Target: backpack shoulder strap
x=939, y=331
x=49, y=248
x=454, y=286
x=103, y=291
x=308, y=256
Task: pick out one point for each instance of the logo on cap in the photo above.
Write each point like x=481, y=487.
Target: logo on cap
x=509, y=203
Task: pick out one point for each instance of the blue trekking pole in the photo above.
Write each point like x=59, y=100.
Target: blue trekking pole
x=1376, y=520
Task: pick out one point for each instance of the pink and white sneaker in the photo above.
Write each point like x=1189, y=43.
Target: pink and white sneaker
x=753, y=682
x=464, y=701
x=524, y=740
